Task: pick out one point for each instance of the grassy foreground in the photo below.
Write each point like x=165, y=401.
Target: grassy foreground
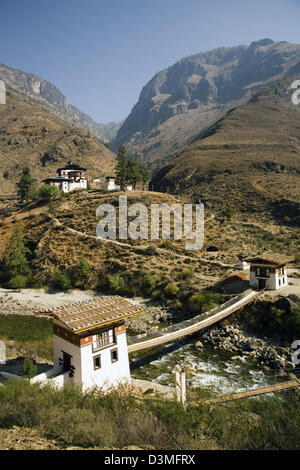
x=118, y=419
x=33, y=334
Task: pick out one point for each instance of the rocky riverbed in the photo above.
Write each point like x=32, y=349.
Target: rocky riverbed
x=234, y=340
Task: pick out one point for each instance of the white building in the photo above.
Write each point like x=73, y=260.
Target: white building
x=269, y=271
x=128, y=187
x=90, y=346
x=69, y=178
x=111, y=184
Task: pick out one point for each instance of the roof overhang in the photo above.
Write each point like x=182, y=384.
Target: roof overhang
x=97, y=314
x=271, y=259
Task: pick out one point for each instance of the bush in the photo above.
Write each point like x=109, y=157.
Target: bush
x=61, y=279
x=148, y=282
x=29, y=369
x=18, y=282
x=171, y=290
x=202, y=302
x=187, y=274
x=47, y=193
x=80, y=274
x=115, y=283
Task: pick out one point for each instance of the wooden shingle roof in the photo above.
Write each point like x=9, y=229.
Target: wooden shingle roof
x=271, y=259
x=100, y=312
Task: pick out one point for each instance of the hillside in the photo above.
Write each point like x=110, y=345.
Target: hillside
x=141, y=267
x=183, y=101
x=45, y=94
x=30, y=135
x=250, y=159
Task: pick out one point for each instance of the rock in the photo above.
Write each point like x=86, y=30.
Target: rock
x=289, y=365
x=282, y=373
x=234, y=358
x=198, y=345
x=277, y=364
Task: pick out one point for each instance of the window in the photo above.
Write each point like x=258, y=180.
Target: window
x=103, y=339
x=262, y=272
x=97, y=362
x=114, y=355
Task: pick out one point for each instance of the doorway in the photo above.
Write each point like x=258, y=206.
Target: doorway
x=261, y=283
x=66, y=361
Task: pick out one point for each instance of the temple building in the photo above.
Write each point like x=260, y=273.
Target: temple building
x=269, y=271
x=90, y=346
x=69, y=178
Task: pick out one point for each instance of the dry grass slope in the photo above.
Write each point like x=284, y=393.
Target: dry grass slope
x=34, y=137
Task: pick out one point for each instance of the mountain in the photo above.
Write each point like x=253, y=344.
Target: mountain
x=46, y=94
x=111, y=129
x=249, y=159
x=183, y=101
x=30, y=135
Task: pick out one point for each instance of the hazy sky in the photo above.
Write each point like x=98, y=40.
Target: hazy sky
x=100, y=53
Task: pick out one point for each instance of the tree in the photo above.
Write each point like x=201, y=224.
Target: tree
x=80, y=273
x=136, y=172
x=26, y=187
x=121, y=167
x=61, y=279
x=29, y=369
x=49, y=193
x=17, y=267
x=144, y=172
x=133, y=174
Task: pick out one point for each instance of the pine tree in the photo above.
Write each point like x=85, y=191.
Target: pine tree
x=133, y=174
x=121, y=167
x=145, y=174
x=17, y=267
x=26, y=187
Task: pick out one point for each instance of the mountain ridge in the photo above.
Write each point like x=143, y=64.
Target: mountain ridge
x=184, y=100
x=45, y=92
x=250, y=158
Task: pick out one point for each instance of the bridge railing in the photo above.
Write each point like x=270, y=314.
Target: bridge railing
x=189, y=322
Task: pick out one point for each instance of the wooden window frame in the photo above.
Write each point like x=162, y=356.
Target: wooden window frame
x=94, y=359
x=106, y=344
x=115, y=350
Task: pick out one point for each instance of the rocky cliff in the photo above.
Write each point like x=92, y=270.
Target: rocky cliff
x=183, y=101
x=46, y=94
x=249, y=159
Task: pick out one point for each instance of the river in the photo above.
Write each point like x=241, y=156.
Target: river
x=206, y=368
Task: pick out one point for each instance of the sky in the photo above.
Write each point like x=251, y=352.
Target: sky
x=100, y=53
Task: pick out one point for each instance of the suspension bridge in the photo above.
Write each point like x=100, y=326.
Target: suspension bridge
x=198, y=323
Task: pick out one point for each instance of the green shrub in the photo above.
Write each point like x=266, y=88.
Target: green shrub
x=187, y=274
x=202, y=302
x=148, y=282
x=29, y=369
x=18, y=281
x=116, y=283
x=80, y=273
x=47, y=193
x=61, y=279
x=171, y=289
